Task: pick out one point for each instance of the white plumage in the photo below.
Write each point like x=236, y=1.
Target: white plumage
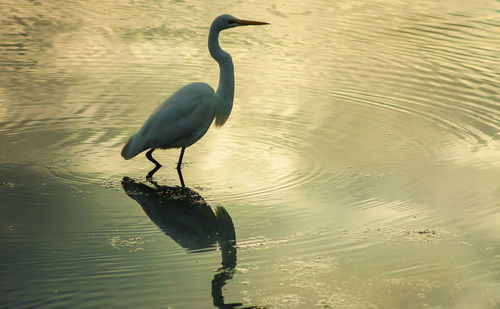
x=179, y=122
x=186, y=116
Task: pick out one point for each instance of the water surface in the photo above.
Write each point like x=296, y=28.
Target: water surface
x=359, y=167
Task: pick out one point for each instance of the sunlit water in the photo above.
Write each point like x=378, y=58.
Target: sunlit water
x=360, y=165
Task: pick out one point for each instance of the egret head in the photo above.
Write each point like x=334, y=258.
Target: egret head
x=227, y=21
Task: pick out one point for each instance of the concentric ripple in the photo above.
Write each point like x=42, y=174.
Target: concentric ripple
x=360, y=163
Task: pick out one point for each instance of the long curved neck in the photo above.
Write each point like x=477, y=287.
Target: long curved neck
x=225, y=90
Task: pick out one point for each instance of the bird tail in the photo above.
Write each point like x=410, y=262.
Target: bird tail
x=132, y=148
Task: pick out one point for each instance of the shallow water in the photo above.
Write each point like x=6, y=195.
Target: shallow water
x=359, y=168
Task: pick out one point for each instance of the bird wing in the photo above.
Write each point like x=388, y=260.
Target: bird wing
x=182, y=119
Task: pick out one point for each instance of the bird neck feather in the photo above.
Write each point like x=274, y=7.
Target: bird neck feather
x=225, y=90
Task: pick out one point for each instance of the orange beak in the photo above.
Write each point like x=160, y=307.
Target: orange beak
x=249, y=22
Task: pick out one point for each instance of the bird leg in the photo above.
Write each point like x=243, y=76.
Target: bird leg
x=180, y=178
x=180, y=158
x=157, y=167
x=179, y=166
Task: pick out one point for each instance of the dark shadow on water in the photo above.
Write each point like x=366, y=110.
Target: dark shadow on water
x=183, y=215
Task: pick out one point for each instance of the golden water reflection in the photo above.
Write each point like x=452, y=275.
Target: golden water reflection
x=356, y=126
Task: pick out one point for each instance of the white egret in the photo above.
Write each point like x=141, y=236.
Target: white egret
x=186, y=116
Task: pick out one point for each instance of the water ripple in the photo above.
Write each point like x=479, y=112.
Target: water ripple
x=364, y=143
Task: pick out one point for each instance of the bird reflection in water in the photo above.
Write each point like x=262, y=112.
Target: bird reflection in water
x=185, y=216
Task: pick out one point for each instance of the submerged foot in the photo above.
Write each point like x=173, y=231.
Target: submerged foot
x=152, y=172
x=149, y=155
